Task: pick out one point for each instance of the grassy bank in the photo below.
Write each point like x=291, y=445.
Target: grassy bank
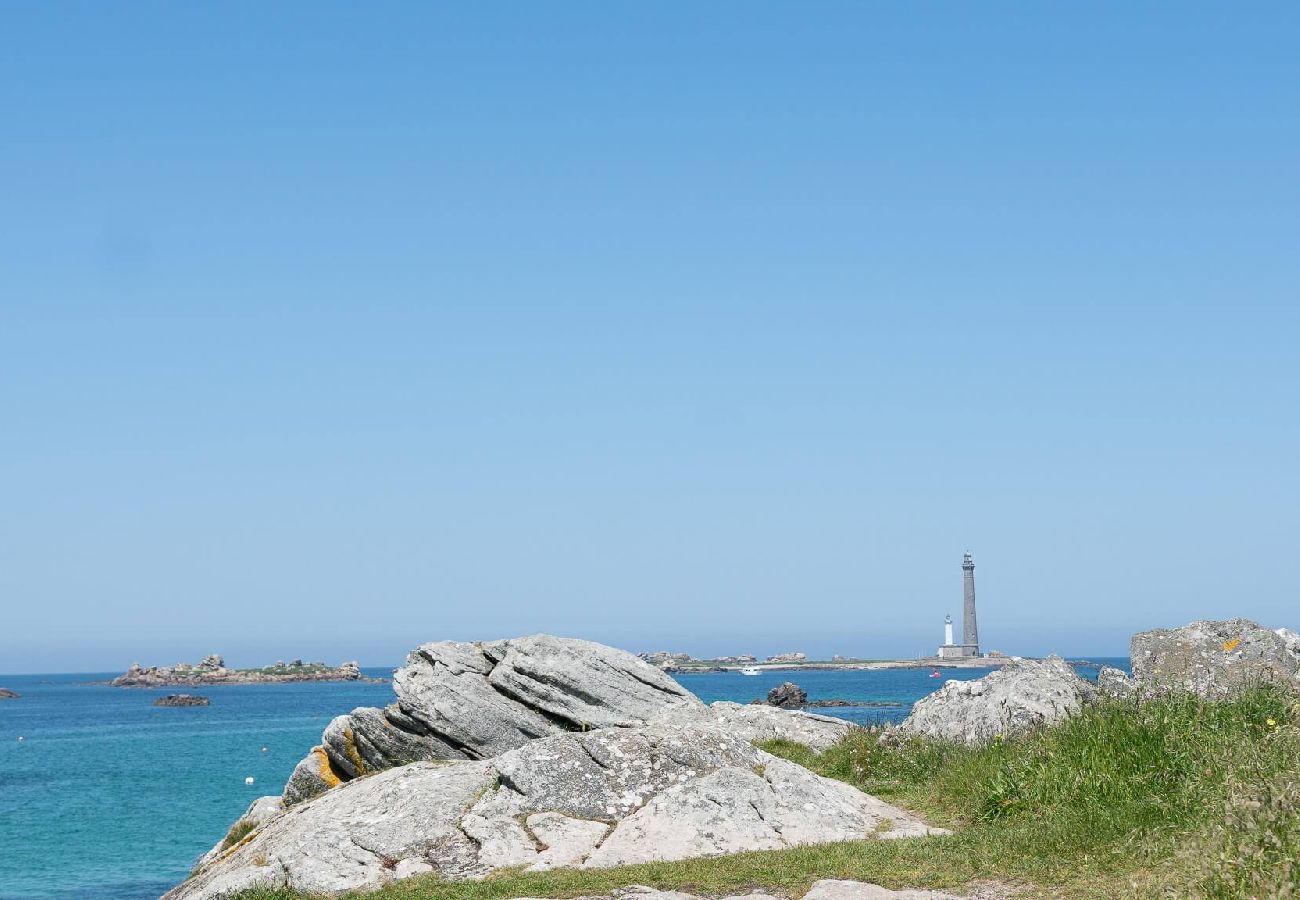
x=1173, y=798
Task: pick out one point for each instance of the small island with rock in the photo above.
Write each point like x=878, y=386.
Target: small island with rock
x=6, y=694
x=212, y=670
x=182, y=700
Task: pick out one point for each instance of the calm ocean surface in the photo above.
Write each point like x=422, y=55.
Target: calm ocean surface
x=107, y=797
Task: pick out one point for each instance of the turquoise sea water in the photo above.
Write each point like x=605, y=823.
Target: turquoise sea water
x=108, y=797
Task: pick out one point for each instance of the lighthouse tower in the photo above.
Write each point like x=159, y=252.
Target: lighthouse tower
x=970, y=638
x=949, y=649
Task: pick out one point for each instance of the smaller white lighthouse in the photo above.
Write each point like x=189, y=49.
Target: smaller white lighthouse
x=949, y=650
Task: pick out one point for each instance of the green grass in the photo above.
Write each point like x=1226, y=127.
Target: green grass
x=1175, y=798
x=240, y=830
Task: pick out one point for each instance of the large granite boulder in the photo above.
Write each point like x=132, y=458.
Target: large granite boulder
x=591, y=799
x=460, y=701
x=1017, y=698
x=757, y=723
x=6, y=694
x=1213, y=659
x=787, y=696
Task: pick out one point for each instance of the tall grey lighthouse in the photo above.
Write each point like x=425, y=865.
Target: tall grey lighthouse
x=970, y=637
x=970, y=633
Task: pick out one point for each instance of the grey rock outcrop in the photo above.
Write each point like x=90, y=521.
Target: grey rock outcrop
x=459, y=701
x=6, y=694
x=757, y=723
x=787, y=696
x=182, y=700
x=587, y=799
x=1017, y=698
x=1116, y=683
x=1213, y=659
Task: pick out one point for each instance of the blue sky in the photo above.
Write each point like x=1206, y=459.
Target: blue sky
x=329, y=329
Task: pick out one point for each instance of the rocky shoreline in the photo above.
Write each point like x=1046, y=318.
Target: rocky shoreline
x=543, y=752
x=212, y=670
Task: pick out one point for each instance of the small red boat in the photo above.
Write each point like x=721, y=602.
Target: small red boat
x=936, y=674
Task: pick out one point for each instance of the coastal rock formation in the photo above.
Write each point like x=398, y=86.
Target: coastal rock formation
x=182, y=700
x=788, y=657
x=1213, y=659
x=1021, y=696
x=1116, y=683
x=593, y=799
x=212, y=670
x=460, y=701
x=756, y=723
x=787, y=696
x=6, y=694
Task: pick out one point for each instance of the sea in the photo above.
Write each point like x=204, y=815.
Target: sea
x=105, y=796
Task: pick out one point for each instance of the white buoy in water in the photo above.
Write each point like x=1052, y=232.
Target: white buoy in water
x=264, y=749
x=248, y=780
x=20, y=737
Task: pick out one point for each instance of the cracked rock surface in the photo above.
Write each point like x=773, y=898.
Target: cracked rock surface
x=1019, y=697
x=752, y=722
x=460, y=700
x=590, y=799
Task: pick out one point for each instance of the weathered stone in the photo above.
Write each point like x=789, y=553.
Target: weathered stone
x=568, y=841
x=755, y=723
x=592, y=799
x=369, y=740
x=182, y=700
x=583, y=684
x=355, y=837
x=6, y=694
x=478, y=700
x=1019, y=697
x=787, y=696
x=1116, y=683
x=1213, y=659
x=314, y=775
x=1290, y=638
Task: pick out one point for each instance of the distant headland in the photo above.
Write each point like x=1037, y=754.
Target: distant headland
x=212, y=670
x=683, y=663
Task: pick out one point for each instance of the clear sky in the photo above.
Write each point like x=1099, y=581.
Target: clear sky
x=327, y=329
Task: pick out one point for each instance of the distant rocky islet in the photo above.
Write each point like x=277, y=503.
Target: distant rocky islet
x=182, y=700
x=212, y=670
x=6, y=694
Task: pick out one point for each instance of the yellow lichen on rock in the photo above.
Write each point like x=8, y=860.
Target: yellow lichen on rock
x=354, y=755
x=326, y=771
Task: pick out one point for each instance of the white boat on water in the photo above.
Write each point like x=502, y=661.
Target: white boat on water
x=749, y=670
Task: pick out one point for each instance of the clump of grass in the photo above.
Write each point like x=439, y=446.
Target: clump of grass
x=1126, y=781
x=1255, y=852
x=240, y=830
